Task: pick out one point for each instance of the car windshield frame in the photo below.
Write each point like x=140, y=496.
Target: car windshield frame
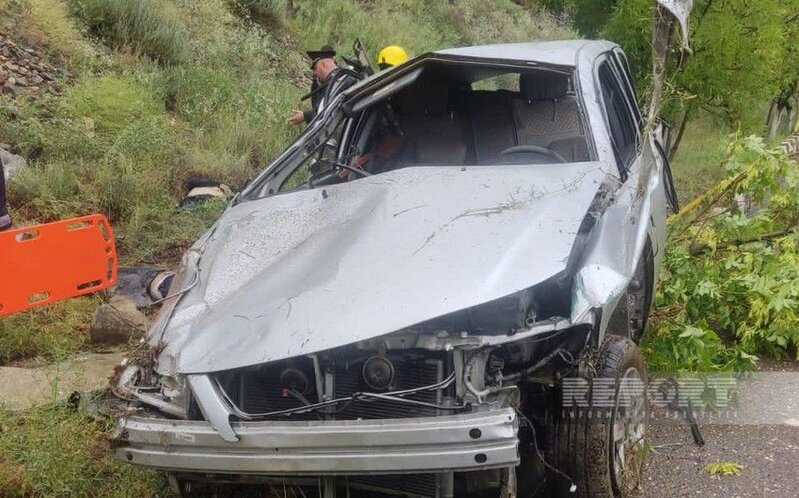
x=384, y=84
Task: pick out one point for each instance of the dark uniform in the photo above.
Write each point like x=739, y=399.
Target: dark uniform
x=337, y=81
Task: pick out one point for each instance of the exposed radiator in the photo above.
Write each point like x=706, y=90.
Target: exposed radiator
x=259, y=390
x=410, y=373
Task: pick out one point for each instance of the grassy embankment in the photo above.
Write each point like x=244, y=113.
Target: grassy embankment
x=163, y=90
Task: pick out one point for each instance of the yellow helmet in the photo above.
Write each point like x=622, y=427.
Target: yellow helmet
x=392, y=55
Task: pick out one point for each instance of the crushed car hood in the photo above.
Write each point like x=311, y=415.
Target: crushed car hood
x=311, y=270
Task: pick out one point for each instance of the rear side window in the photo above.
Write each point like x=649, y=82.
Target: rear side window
x=623, y=128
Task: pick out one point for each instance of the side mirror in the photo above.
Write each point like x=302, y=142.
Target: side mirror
x=668, y=179
x=663, y=133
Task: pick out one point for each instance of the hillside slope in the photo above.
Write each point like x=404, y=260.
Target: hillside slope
x=140, y=95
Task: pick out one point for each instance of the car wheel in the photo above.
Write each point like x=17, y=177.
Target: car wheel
x=599, y=446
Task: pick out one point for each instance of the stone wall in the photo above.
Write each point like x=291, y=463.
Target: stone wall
x=25, y=71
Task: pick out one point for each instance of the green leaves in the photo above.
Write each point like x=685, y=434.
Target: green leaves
x=724, y=469
x=729, y=288
x=743, y=53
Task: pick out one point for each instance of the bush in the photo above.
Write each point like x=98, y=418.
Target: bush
x=135, y=25
x=730, y=281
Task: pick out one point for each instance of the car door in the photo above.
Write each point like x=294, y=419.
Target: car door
x=640, y=166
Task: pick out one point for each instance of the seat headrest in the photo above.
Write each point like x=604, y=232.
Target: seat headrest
x=429, y=99
x=543, y=86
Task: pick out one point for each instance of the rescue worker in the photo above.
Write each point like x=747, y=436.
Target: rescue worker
x=328, y=81
x=390, y=56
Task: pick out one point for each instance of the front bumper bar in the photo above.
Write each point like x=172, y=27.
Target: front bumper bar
x=462, y=442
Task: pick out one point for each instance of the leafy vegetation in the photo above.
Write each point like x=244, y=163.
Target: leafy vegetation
x=724, y=469
x=743, y=55
x=729, y=287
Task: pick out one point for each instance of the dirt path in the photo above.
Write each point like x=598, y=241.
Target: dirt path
x=762, y=436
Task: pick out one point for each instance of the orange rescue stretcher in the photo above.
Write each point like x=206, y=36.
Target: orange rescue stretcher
x=45, y=263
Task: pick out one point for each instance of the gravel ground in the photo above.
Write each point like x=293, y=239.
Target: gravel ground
x=763, y=439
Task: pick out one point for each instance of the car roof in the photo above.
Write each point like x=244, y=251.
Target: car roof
x=561, y=53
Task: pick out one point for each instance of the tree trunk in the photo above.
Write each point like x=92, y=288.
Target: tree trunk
x=676, y=144
x=773, y=119
x=774, y=126
x=662, y=23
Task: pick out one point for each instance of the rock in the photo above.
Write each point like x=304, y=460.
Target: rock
x=117, y=322
x=12, y=163
x=24, y=388
x=25, y=71
x=9, y=90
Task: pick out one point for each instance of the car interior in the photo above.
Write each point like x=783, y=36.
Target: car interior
x=446, y=118
x=458, y=115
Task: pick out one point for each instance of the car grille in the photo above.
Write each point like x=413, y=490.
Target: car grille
x=258, y=390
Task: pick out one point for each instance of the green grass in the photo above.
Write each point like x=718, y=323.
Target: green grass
x=51, y=23
x=697, y=165
x=420, y=26
x=267, y=13
x=135, y=25
x=113, y=103
x=55, y=451
x=51, y=332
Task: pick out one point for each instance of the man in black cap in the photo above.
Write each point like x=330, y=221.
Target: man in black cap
x=328, y=81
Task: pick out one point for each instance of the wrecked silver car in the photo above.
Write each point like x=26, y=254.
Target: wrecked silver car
x=393, y=305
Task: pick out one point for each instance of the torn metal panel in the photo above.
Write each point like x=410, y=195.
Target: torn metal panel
x=681, y=10
x=285, y=276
